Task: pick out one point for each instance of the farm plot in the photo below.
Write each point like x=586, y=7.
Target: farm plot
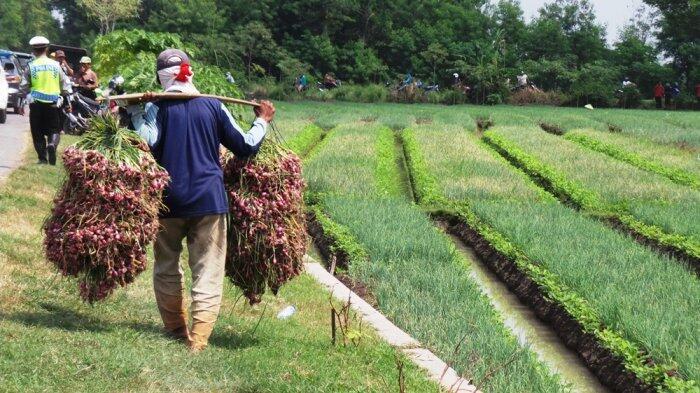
x=679, y=129
x=52, y=341
x=580, y=253
x=660, y=209
x=412, y=270
x=681, y=166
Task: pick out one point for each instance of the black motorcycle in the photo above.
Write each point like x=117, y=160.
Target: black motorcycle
x=77, y=110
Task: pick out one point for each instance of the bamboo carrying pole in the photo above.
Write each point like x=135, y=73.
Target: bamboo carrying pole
x=138, y=97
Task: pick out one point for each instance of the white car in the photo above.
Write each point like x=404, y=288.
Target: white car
x=4, y=93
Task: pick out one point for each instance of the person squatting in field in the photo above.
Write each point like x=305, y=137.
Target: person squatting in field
x=184, y=136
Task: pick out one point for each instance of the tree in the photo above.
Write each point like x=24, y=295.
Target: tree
x=188, y=16
x=508, y=19
x=679, y=29
x=108, y=12
x=569, y=27
x=20, y=20
x=256, y=47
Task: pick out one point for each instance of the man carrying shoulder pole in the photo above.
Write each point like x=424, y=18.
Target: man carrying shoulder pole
x=184, y=136
x=46, y=85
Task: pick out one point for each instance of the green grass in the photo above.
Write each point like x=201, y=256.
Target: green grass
x=579, y=252
x=673, y=128
x=53, y=342
x=652, y=198
x=420, y=281
x=672, y=162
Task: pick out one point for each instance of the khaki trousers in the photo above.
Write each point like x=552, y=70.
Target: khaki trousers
x=206, y=244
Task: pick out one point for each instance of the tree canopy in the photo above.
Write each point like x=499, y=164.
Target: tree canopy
x=378, y=40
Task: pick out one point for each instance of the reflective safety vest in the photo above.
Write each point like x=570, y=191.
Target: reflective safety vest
x=45, y=80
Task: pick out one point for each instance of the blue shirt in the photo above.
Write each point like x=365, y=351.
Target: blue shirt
x=184, y=136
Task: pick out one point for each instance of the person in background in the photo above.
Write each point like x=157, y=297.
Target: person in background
x=626, y=82
x=229, y=78
x=45, y=85
x=697, y=92
x=456, y=81
x=659, y=94
x=522, y=80
x=184, y=136
x=86, y=78
x=675, y=91
x=329, y=81
x=668, y=94
x=303, y=83
x=61, y=59
x=407, y=81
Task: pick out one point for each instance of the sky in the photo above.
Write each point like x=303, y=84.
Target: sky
x=613, y=13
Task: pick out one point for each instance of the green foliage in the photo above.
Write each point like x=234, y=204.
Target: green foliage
x=342, y=240
x=305, y=140
x=538, y=218
x=424, y=185
x=375, y=41
x=678, y=175
x=113, y=51
x=387, y=173
x=20, y=20
x=594, y=84
x=409, y=255
x=108, y=347
x=132, y=54
x=629, y=97
x=571, y=191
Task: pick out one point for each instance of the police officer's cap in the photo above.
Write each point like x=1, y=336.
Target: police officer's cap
x=39, y=42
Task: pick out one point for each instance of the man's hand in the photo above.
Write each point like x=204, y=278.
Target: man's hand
x=266, y=111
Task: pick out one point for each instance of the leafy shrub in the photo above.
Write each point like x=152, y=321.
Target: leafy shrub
x=494, y=99
x=629, y=97
x=537, y=97
x=132, y=54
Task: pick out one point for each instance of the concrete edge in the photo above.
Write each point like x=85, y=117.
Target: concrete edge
x=437, y=370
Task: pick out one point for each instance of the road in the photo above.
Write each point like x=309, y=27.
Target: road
x=14, y=137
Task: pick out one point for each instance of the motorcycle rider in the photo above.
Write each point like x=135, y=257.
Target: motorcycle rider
x=46, y=85
x=61, y=59
x=86, y=79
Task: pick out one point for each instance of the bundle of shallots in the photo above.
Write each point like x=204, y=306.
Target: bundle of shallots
x=106, y=213
x=267, y=232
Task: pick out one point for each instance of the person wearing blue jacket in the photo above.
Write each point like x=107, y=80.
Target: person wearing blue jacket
x=184, y=136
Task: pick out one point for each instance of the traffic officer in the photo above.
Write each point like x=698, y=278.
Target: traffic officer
x=45, y=83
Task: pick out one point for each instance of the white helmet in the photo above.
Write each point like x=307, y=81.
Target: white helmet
x=39, y=41
x=456, y=75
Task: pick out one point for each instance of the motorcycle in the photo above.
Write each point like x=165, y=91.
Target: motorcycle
x=78, y=109
x=427, y=88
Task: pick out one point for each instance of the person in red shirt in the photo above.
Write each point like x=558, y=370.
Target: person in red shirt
x=697, y=92
x=659, y=94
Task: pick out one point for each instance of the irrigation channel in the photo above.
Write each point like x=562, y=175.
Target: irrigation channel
x=518, y=318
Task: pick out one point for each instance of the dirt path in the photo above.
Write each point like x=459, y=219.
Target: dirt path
x=14, y=139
